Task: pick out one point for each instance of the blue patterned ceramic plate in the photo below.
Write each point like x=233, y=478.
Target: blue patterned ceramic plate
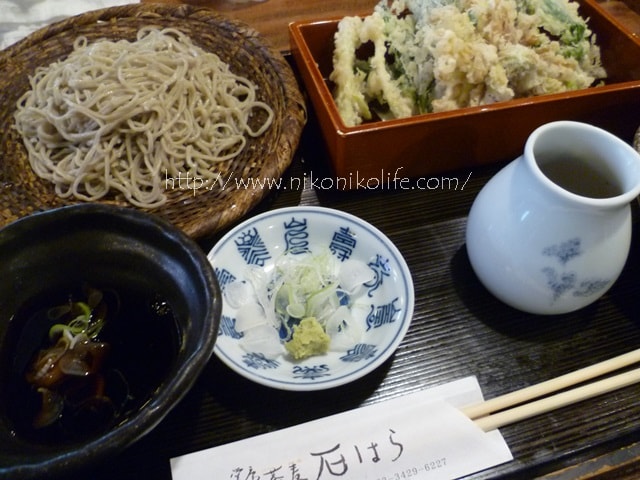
x=384, y=302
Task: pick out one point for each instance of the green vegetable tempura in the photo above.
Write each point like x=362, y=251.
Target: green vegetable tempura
x=420, y=56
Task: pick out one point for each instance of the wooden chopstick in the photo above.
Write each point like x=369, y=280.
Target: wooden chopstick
x=511, y=407
x=506, y=417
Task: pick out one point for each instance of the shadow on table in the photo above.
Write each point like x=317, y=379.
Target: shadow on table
x=510, y=321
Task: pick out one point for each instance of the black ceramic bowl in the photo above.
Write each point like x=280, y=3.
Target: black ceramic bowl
x=144, y=260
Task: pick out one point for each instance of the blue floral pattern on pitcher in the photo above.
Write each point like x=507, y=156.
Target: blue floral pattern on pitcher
x=562, y=281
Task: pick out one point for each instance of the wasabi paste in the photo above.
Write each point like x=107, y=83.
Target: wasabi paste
x=308, y=339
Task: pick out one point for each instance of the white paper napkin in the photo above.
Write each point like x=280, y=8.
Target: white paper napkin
x=19, y=18
x=421, y=436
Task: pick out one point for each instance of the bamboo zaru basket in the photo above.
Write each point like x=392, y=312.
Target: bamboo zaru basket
x=198, y=213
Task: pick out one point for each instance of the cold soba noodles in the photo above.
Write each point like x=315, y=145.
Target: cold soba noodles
x=115, y=116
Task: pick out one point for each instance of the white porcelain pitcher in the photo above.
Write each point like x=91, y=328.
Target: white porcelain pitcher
x=550, y=232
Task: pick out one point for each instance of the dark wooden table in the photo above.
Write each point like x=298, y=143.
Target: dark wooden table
x=458, y=329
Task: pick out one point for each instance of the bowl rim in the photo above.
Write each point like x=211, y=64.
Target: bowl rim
x=405, y=275
x=182, y=376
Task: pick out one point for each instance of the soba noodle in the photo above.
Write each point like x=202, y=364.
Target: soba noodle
x=117, y=116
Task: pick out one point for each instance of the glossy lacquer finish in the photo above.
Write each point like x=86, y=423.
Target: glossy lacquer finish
x=470, y=137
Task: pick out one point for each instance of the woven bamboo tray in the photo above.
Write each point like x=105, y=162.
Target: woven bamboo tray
x=198, y=212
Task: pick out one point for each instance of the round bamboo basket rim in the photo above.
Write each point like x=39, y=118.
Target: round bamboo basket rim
x=198, y=212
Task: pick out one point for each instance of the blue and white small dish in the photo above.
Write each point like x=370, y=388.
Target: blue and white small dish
x=382, y=305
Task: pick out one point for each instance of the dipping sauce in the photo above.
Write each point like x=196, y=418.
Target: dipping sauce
x=578, y=176
x=85, y=359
